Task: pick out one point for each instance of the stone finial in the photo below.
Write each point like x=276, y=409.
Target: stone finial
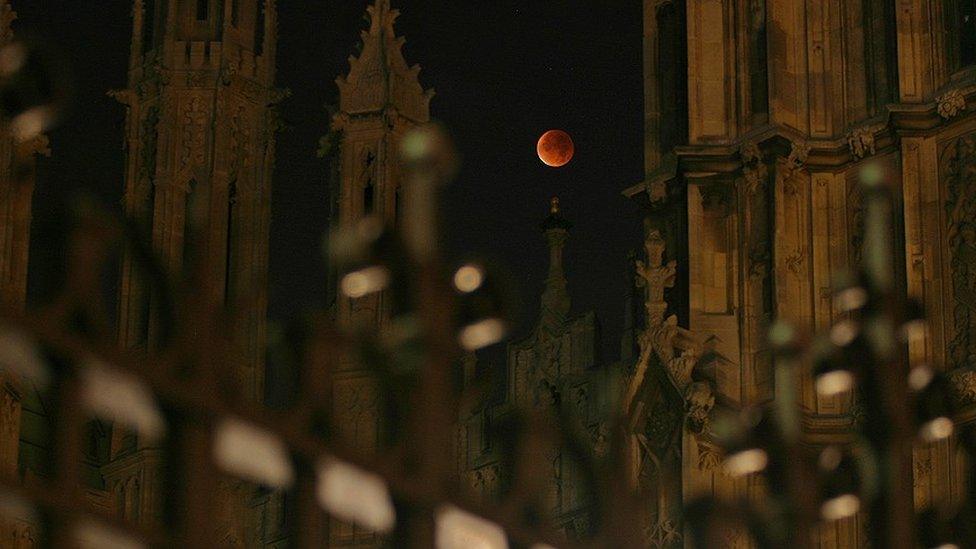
x=379, y=78
x=555, y=299
x=861, y=141
x=554, y=220
x=655, y=275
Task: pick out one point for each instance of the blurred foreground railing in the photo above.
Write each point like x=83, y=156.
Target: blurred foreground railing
x=180, y=396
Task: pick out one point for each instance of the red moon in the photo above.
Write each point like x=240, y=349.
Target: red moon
x=555, y=148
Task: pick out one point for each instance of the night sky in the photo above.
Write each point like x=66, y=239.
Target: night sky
x=505, y=71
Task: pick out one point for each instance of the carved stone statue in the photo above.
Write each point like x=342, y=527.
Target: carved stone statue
x=699, y=401
x=654, y=276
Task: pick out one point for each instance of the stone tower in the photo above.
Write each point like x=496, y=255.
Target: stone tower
x=553, y=372
x=200, y=146
x=17, y=171
x=759, y=118
x=17, y=163
x=199, y=142
x=380, y=99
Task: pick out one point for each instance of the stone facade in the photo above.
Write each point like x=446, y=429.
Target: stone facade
x=759, y=116
x=380, y=99
x=200, y=147
x=553, y=373
x=785, y=103
x=199, y=144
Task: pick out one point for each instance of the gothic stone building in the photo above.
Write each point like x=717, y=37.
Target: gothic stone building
x=759, y=116
x=199, y=152
x=380, y=99
x=554, y=373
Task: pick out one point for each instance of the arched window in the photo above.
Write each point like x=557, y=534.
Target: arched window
x=397, y=208
x=191, y=216
x=673, y=71
x=203, y=10
x=961, y=26
x=230, y=238
x=259, y=28
x=367, y=177
x=967, y=32
x=758, y=65
x=148, y=25
x=369, y=198
x=880, y=54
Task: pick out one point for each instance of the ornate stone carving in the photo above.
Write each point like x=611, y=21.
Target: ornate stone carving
x=193, y=128
x=153, y=81
x=922, y=467
x=199, y=79
x=958, y=166
x=795, y=262
x=660, y=337
x=546, y=395
x=600, y=437
x=962, y=387
x=654, y=276
x=241, y=138
x=664, y=533
x=484, y=481
x=861, y=141
x=709, y=455
x=759, y=259
x=754, y=170
x=659, y=427
x=716, y=198
x=227, y=73
x=582, y=401
x=149, y=137
x=799, y=151
x=699, y=401
x=950, y=104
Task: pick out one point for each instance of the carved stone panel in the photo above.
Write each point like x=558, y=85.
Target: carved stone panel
x=958, y=174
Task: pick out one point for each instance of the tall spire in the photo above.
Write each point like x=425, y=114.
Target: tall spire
x=380, y=78
x=555, y=299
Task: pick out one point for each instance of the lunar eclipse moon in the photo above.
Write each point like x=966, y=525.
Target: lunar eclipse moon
x=555, y=148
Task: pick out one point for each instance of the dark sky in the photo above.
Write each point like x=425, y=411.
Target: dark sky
x=504, y=71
